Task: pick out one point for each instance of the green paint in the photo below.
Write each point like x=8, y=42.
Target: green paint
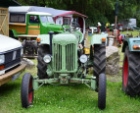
x=44, y=25
x=97, y=38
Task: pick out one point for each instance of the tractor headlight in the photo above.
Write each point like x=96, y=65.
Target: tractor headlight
x=47, y=58
x=2, y=59
x=83, y=58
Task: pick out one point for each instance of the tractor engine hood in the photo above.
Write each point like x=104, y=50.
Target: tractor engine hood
x=65, y=38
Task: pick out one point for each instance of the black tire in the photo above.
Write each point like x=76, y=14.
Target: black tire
x=99, y=61
x=102, y=91
x=131, y=73
x=42, y=66
x=27, y=91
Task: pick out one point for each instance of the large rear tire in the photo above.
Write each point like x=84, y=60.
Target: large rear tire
x=99, y=62
x=27, y=92
x=102, y=91
x=42, y=66
x=131, y=73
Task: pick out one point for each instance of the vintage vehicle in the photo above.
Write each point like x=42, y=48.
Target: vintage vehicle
x=131, y=63
x=28, y=22
x=61, y=60
x=27, y=25
x=11, y=51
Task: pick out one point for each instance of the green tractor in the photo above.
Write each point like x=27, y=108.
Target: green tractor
x=61, y=60
x=131, y=65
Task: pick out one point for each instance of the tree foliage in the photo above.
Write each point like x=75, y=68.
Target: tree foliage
x=96, y=10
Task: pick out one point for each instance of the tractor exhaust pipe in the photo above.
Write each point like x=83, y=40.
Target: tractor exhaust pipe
x=51, y=36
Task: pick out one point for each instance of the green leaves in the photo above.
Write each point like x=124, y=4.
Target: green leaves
x=96, y=10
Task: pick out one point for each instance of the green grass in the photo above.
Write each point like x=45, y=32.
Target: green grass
x=68, y=99
x=134, y=33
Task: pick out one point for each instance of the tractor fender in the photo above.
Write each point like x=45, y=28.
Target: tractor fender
x=97, y=38
x=44, y=39
x=65, y=38
x=130, y=42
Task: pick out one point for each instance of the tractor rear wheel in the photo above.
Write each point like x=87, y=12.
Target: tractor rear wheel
x=27, y=90
x=42, y=66
x=99, y=62
x=102, y=91
x=131, y=73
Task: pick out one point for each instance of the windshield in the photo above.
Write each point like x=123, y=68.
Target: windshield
x=47, y=19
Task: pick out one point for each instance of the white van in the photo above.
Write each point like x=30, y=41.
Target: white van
x=10, y=58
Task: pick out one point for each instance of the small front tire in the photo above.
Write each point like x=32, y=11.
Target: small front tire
x=27, y=90
x=102, y=91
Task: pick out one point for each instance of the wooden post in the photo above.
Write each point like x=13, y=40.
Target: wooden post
x=116, y=19
x=4, y=21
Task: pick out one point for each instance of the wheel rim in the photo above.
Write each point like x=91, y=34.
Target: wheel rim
x=125, y=72
x=30, y=95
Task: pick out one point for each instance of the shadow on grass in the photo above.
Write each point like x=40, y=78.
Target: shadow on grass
x=9, y=88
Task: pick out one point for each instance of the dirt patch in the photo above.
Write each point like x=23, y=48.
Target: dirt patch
x=115, y=78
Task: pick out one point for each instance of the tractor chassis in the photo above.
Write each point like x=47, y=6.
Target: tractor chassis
x=29, y=84
x=64, y=80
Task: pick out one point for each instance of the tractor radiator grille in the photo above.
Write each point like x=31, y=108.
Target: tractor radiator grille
x=64, y=57
x=58, y=57
x=70, y=60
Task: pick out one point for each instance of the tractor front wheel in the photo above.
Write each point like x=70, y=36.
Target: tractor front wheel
x=27, y=90
x=102, y=91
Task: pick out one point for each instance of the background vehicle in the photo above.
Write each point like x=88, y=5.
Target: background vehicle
x=27, y=22
x=10, y=59
x=131, y=72
x=26, y=26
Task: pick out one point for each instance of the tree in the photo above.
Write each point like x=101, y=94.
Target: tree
x=96, y=10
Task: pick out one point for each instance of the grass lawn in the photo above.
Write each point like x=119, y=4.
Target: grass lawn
x=68, y=99
x=134, y=33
